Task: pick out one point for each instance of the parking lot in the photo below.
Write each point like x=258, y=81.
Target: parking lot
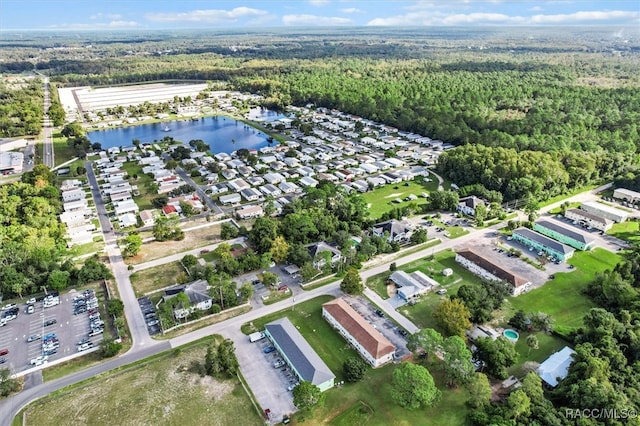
x=150, y=316
x=268, y=383
x=58, y=319
x=384, y=325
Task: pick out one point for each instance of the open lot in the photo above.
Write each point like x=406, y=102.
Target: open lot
x=562, y=297
x=374, y=392
x=192, y=239
x=547, y=344
x=69, y=329
x=381, y=200
x=157, y=277
x=627, y=231
x=157, y=391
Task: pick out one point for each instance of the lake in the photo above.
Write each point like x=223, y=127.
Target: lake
x=223, y=134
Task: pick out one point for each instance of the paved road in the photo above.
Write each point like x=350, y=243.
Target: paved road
x=208, y=201
x=144, y=346
x=47, y=130
x=135, y=319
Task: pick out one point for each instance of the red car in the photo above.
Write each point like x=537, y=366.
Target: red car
x=267, y=412
x=283, y=288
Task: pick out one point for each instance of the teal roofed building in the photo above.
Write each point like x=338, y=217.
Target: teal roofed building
x=544, y=244
x=565, y=235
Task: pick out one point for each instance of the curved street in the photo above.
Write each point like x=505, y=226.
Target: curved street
x=144, y=346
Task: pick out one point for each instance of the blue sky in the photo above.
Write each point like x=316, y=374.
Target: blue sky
x=162, y=14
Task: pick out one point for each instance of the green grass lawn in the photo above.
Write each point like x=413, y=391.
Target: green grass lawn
x=450, y=231
x=369, y=403
x=61, y=151
x=157, y=391
x=567, y=195
x=157, y=277
x=380, y=200
x=547, y=344
x=307, y=317
x=420, y=313
x=628, y=231
x=89, y=248
x=562, y=297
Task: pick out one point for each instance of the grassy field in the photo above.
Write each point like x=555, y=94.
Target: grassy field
x=307, y=317
x=562, y=297
x=161, y=391
x=420, y=313
x=157, y=277
x=547, y=344
x=431, y=266
x=369, y=403
x=567, y=195
x=277, y=296
x=628, y=231
x=450, y=231
x=380, y=200
x=192, y=239
x=61, y=151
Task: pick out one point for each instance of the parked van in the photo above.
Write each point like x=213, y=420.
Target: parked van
x=254, y=337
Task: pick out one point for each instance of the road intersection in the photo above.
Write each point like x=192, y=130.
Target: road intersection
x=144, y=346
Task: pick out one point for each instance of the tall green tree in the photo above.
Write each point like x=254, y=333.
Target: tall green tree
x=413, y=387
x=453, y=316
x=352, y=283
x=306, y=396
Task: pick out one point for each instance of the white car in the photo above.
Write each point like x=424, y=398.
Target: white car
x=42, y=359
x=85, y=346
x=31, y=301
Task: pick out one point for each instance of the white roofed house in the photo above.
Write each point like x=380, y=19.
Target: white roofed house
x=250, y=212
x=198, y=294
x=468, y=205
x=411, y=286
x=395, y=230
x=556, y=367
x=321, y=253
x=127, y=206
x=308, y=181
x=73, y=195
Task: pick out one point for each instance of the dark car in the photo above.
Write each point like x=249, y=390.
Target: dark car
x=50, y=322
x=403, y=332
x=379, y=313
x=268, y=349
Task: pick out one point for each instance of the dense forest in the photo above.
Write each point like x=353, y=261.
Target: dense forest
x=33, y=252
x=21, y=108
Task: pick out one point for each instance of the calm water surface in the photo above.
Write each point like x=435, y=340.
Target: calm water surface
x=223, y=134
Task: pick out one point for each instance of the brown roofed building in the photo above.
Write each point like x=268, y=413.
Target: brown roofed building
x=370, y=344
x=491, y=271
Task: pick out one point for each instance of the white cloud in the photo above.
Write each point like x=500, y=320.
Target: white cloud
x=300, y=20
x=351, y=10
x=535, y=9
x=434, y=18
x=590, y=16
x=319, y=2
x=208, y=16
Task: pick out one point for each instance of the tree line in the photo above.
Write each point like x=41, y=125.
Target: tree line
x=33, y=249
